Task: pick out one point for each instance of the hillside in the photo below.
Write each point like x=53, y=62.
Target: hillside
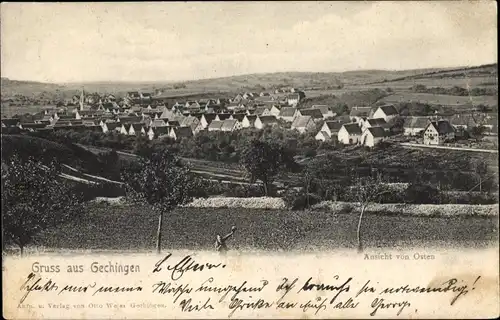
x=13, y=87
x=46, y=150
x=485, y=75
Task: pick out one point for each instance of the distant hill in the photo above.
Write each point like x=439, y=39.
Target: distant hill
x=256, y=82
x=13, y=87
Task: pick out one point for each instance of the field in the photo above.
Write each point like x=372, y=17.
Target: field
x=440, y=99
x=121, y=227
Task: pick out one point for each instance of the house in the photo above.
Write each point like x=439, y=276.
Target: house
x=322, y=136
x=238, y=116
x=192, y=105
x=325, y=111
x=191, y=122
x=274, y=111
x=372, y=136
x=359, y=114
x=315, y=114
x=215, y=125
x=207, y=119
x=10, y=122
x=438, y=132
x=248, y=121
x=174, y=123
x=265, y=121
x=331, y=127
x=262, y=111
x=222, y=116
x=349, y=133
x=388, y=112
x=376, y=122
x=303, y=124
x=136, y=129
x=288, y=114
x=32, y=126
x=293, y=99
x=181, y=132
x=158, y=123
x=129, y=119
x=415, y=125
x=230, y=125
x=463, y=121
x=158, y=132
x=112, y=126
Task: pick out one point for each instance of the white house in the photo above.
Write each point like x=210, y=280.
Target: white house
x=349, y=133
x=437, y=132
x=293, y=99
x=331, y=127
x=387, y=112
x=372, y=136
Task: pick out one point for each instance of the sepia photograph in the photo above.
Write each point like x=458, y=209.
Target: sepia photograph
x=226, y=135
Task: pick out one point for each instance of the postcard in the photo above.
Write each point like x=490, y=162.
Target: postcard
x=247, y=160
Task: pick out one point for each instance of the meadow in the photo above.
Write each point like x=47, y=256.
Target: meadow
x=132, y=228
x=440, y=99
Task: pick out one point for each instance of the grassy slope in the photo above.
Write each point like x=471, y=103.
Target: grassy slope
x=46, y=150
x=133, y=228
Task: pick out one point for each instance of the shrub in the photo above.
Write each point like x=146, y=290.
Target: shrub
x=298, y=200
x=421, y=193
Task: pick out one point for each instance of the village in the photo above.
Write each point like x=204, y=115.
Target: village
x=150, y=115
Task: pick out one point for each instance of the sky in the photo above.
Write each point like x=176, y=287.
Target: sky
x=173, y=41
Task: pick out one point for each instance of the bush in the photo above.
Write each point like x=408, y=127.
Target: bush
x=297, y=200
x=422, y=194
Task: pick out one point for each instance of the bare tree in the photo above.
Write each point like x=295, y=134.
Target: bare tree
x=162, y=182
x=366, y=191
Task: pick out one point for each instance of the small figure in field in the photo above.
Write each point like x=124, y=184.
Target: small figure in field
x=220, y=243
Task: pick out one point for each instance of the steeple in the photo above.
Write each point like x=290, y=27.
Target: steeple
x=82, y=100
